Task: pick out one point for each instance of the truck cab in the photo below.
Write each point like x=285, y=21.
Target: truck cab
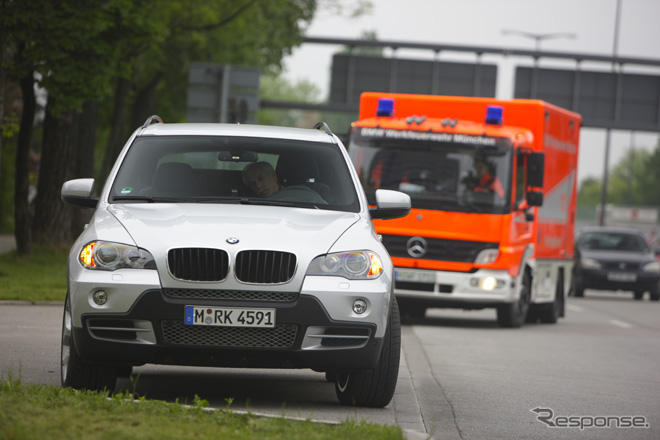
x=492, y=185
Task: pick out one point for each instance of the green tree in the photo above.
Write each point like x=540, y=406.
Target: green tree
x=634, y=181
x=277, y=88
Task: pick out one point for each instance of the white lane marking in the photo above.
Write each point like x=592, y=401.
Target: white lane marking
x=573, y=308
x=621, y=324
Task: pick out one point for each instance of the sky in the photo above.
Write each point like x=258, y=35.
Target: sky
x=480, y=22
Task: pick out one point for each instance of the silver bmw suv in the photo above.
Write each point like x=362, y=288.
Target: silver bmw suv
x=235, y=246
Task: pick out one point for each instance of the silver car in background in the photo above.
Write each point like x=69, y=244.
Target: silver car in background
x=186, y=261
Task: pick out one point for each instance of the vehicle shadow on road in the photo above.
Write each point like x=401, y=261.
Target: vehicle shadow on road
x=251, y=390
x=457, y=322
x=597, y=296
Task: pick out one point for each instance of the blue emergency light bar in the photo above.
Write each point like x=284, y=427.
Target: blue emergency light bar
x=385, y=107
x=494, y=115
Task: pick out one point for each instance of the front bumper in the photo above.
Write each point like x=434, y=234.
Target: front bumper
x=600, y=279
x=453, y=289
x=152, y=331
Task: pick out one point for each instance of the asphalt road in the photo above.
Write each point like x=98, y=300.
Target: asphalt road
x=461, y=376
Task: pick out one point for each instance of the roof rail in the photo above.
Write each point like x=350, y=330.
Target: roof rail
x=323, y=126
x=151, y=119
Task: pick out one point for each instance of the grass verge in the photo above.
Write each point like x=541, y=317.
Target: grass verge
x=37, y=277
x=41, y=411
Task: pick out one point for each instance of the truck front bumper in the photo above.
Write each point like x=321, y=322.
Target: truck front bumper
x=482, y=288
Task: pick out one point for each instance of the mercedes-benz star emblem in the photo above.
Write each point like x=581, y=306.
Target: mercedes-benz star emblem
x=232, y=240
x=416, y=247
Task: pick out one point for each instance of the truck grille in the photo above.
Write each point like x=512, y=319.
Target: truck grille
x=266, y=267
x=231, y=295
x=281, y=336
x=438, y=248
x=198, y=264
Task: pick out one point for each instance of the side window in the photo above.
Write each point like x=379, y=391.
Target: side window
x=520, y=178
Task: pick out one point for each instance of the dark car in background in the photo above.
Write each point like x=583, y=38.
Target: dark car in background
x=608, y=258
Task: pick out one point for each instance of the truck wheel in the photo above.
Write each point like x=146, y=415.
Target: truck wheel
x=374, y=387
x=638, y=295
x=654, y=295
x=551, y=314
x=513, y=315
x=75, y=372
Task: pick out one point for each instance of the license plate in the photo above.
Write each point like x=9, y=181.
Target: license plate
x=414, y=276
x=621, y=276
x=229, y=317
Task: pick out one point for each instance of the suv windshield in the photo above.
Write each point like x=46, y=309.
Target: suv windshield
x=228, y=169
x=444, y=171
x=613, y=241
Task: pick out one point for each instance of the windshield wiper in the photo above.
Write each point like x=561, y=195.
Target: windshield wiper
x=246, y=201
x=146, y=199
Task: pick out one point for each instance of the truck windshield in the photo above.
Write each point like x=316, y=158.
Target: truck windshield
x=442, y=171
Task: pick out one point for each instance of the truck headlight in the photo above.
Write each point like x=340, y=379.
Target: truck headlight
x=487, y=256
x=353, y=265
x=653, y=266
x=589, y=263
x=106, y=255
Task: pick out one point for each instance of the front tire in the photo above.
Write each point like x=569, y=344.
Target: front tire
x=551, y=314
x=654, y=295
x=374, y=387
x=638, y=295
x=75, y=372
x=514, y=315
x=578, y=288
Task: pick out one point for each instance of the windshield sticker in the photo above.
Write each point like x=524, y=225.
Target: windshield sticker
x=428, y=136
x=126, y=190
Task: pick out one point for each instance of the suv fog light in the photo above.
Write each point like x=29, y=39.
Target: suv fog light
x=100, y=297
x=359, y=306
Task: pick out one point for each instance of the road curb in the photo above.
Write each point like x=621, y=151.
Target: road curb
x=16, y=302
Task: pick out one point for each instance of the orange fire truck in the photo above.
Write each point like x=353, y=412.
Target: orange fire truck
x=493, y=189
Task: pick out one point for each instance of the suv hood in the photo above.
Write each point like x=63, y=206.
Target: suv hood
x=161, y=227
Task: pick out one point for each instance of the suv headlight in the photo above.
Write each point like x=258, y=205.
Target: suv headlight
x=354, y=265
x=590, y=263
x=106, y=255
x=653, y=266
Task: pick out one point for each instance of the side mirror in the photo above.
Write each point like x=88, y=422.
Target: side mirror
x=534, y=198
x=535, y=169
x=79, y=192
x=390, y=204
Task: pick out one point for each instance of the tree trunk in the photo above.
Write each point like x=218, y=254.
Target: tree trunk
x=85, y=147
x=21, y=178
x=117, y=135
x=144, y=104
x=52, y=219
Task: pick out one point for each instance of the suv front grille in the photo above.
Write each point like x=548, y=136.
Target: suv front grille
x=233, y=295
x=266, y=267
x=438, y=248
x=198, y=264
x=281, y=336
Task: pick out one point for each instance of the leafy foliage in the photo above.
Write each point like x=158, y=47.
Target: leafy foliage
x=633, y=181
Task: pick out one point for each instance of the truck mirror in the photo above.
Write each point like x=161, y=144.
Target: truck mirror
x=535, y=167
x=534, y=198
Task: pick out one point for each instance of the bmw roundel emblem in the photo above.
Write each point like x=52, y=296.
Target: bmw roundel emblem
x=232, y=240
